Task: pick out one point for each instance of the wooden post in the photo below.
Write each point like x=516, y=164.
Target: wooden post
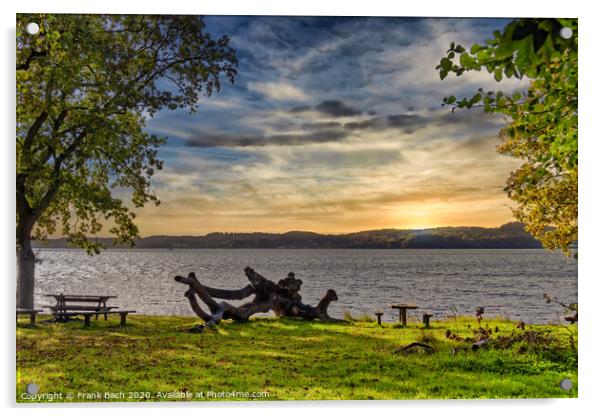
x=87, y=320
x=402, y=312
x=123, y=318
x=32, y=318
x=378, y=317
x=426, y=320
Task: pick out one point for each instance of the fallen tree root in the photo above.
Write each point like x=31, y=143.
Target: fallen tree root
x=282, y=298
x=406, y=348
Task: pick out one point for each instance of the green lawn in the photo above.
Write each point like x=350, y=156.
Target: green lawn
x=289, y=359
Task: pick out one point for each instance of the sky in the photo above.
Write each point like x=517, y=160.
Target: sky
x=333, y=125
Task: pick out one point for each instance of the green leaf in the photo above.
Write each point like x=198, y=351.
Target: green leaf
x=483, y=56
x=498, y=75
x=525, y=54
x=466, y=60
x=446, y=64
x=476, y=48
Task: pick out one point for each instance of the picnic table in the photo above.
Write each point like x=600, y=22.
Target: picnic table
x=95, y=303
x=67, y=306
x=403, y=311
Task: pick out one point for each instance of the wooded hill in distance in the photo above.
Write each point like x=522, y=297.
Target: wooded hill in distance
x=510, y=235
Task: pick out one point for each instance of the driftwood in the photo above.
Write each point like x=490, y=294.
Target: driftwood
x=283, y=298
x=480, y=344
x=426, y=347
x=571, y=319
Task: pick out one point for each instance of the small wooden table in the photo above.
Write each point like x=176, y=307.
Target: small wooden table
x=403, y=312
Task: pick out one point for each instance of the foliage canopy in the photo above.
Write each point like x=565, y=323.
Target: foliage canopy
x=542, y=127
x=86, y=84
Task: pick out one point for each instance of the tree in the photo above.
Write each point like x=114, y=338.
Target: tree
x=542, y=127
x=85, y=86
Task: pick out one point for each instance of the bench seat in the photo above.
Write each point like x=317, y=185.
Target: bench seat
x=31, y=312
x=87, y=315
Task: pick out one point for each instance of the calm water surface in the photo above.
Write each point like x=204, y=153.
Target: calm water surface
x=505, y=282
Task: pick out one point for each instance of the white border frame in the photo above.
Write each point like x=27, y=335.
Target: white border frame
x=590, y=148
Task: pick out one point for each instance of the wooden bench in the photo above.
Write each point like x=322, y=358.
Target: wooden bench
x=31, y=312
x=82, y=308
x=88, y=315
x=403, y=312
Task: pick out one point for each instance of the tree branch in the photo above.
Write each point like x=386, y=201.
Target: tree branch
x=33, y=55
x=56, y=182
x=33, y=130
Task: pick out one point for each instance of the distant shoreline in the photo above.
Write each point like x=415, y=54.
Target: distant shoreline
x=508, y=236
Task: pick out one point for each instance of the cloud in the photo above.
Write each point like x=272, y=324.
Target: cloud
x=279, y=91
x=288, y=139
x=321, y=125
x=300, y=109
x=410, y=122
x=285, y=130
x=372, y=123
x=336, y=108
x=345, y=158
x=332, y=108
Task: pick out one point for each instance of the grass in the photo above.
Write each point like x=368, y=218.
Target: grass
x=289, y=359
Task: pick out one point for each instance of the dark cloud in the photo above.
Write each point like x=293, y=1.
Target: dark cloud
x=321, y=126
x=333, y=131
x=406, y=120
x=336, y=108
x=293, y=139
x=333, y=108
x=300, y=109
x=222, y=140
x=373, y=123
x=412, y=122
x=345, y=158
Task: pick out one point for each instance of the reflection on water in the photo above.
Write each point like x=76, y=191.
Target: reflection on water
x=505, y=282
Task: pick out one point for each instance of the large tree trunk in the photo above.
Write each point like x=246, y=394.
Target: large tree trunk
x=283, y=298
x=25, y=277
x=26, y=218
